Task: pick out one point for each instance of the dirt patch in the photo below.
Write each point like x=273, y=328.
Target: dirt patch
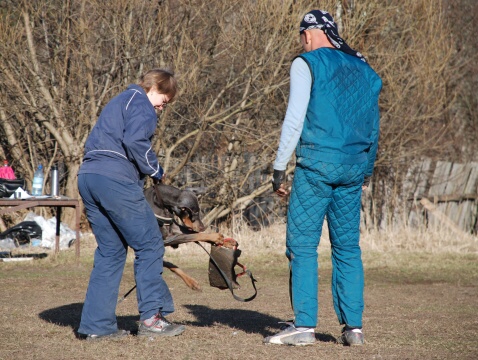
x=421, y=307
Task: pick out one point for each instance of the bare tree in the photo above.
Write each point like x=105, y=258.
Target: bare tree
x=61, y=61
x=407, y=42
x=462, y=16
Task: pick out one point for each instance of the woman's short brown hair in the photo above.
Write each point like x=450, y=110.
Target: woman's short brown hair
x=161, y=80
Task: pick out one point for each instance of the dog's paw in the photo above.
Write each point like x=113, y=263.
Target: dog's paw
x=230, y=243
x=193, y=284
x=217, y=238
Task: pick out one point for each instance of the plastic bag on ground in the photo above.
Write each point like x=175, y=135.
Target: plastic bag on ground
x=67, y=235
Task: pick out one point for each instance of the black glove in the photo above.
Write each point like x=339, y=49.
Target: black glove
x=278, y=179
x=366, y=181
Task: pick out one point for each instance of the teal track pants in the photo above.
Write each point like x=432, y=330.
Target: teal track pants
x=334, y=191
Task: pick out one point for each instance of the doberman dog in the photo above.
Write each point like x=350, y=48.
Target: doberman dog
x=169, y=202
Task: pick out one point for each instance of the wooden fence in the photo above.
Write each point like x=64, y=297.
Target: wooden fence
x=443, y=193
x=432, y=193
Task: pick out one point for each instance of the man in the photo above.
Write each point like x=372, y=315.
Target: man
x=332, y=121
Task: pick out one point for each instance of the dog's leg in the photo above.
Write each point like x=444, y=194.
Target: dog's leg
x=215, y=238
x=188, y=280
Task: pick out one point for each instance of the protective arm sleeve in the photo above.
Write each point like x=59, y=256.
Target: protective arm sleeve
x=299, y=95
x=140, y=126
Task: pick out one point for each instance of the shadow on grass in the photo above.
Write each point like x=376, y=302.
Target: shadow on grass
x=245, y=320
x=70, y=315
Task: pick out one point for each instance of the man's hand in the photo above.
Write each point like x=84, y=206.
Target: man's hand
x=278, y=179
x=366, y=183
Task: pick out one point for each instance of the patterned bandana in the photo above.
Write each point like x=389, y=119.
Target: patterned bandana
x=322, y=20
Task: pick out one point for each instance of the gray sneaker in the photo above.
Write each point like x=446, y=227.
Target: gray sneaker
x=291, y=336
x=351, y=337
x=159, y=326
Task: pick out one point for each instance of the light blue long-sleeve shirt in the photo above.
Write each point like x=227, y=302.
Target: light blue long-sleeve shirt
x=299, y=95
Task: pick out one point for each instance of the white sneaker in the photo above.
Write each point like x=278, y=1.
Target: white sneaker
x=352, y=337
x=291, y=336
x=157, y=325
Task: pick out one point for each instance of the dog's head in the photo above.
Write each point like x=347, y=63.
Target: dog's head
x=182, y=203
x=187, y=209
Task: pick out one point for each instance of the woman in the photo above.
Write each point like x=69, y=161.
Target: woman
x=118, y=156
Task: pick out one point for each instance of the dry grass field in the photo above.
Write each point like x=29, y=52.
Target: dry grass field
x=421, y=303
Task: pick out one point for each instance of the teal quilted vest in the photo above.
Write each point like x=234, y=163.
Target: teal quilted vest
x=342, y=120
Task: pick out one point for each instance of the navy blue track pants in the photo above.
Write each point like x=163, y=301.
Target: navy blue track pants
x=120, y=217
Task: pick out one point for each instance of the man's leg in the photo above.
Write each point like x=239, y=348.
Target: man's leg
x=344, y=227
x=309, y=201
